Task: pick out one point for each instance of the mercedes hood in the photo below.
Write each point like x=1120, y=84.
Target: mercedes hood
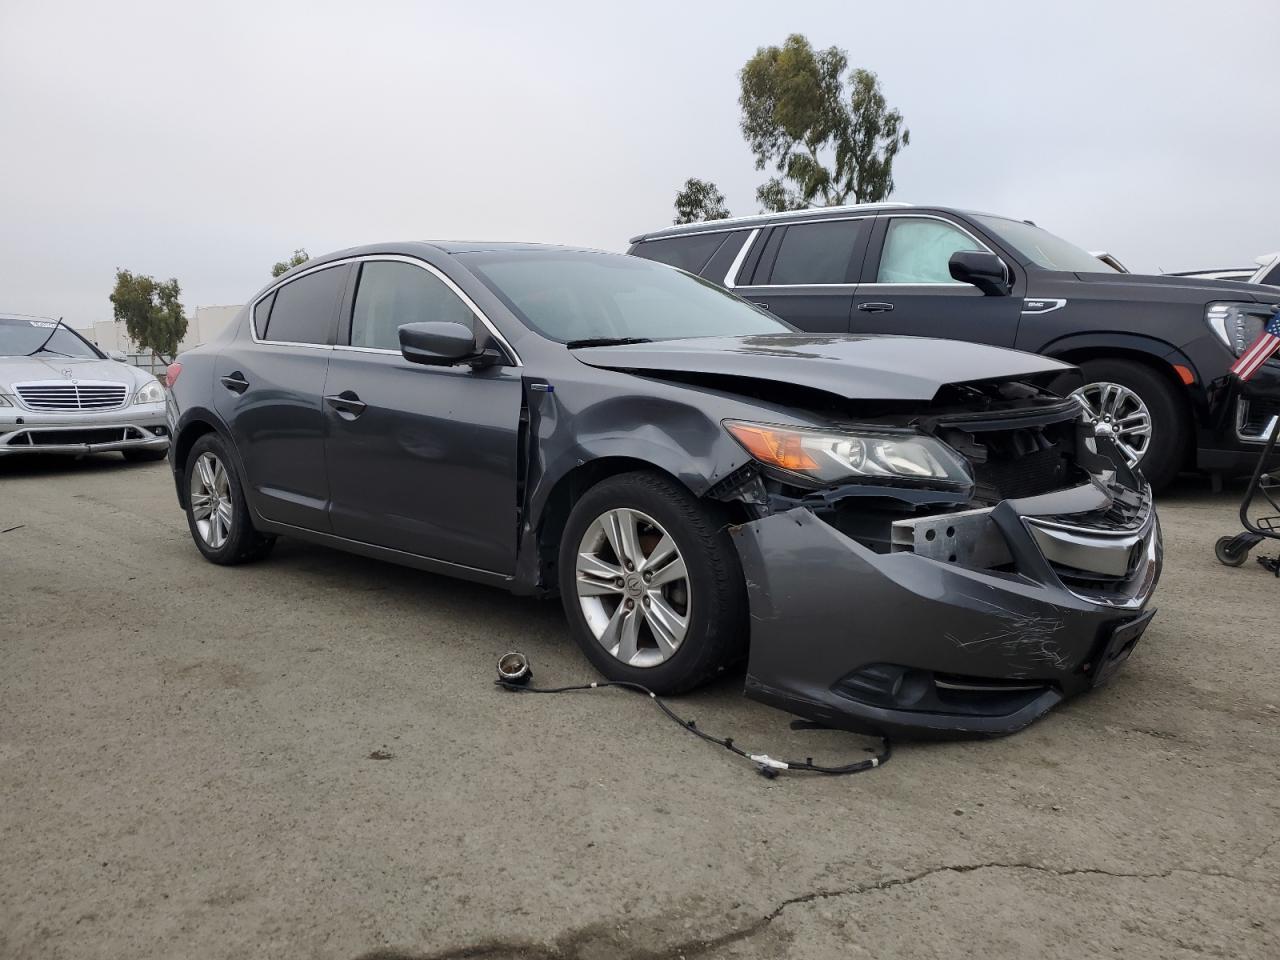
x=850, y=367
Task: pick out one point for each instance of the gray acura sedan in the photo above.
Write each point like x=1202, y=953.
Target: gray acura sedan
x=898, y=534
x=61, y=394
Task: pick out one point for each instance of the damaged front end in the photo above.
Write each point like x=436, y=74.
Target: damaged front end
x=926, y=606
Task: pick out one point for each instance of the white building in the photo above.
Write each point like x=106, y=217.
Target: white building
x=203, y=326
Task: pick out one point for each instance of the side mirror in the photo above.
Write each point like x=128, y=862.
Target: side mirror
x=118, y=355
x=438, y=343
x=984, y=270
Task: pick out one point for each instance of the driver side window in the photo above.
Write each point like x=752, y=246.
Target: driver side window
x=917, y=251
x=391, y=293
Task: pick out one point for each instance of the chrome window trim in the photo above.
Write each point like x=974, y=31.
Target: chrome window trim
x=797, y=286
x=738, y=259
x=917, y=283
x=382, y=257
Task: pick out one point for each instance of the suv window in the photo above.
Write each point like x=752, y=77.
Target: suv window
x=392, y=294
x=817, y=252
x=304, y=309
x=918, y=250
x=687, y=253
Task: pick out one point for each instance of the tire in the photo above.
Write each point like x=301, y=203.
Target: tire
x=231, y=539
x=144, y=456
x=1225, y=553
x=1166, y=449
x=710, y=597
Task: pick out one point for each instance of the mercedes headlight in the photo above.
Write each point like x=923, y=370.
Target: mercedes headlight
x=832, y=457
x=150, y=393
x=1237, y=324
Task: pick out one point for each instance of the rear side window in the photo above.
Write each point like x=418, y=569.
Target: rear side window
x=392, y=294
x=919, y=251
x=262, y=314
x=687, y=253
x=817, y=252
x=304, y=309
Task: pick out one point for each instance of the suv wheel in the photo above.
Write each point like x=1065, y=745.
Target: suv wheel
x=1139, y=409
x=651, y=584
x=217, y=513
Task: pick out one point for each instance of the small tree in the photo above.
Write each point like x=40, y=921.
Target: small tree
x=827, y=143
x=299, y=257
x=151, y=311
x=699, y=200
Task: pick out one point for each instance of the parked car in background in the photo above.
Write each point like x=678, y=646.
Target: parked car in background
x=1155, y=350
x=61, y=394
x=900, y=534
x=1234, y=274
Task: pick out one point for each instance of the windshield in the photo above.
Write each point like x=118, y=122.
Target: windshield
x=569, y=297
x=1042, y=248
x=20, y=336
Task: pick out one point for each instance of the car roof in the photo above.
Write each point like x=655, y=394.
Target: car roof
x=791, y=216
x=419, y=247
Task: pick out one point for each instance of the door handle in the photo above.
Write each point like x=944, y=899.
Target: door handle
x=875, y=307
x=235, y=382
x=347, y=403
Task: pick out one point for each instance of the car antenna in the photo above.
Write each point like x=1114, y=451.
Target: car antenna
x=46, y=339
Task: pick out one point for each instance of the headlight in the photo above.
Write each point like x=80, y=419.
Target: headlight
x=1237, y=324
x=150, y=393
x=830, y=457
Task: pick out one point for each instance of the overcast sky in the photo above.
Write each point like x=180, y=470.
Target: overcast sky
x=206, y=142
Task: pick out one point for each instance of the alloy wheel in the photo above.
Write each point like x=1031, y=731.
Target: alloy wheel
x=633, y=587
x=1120, y=414
x=210, y=498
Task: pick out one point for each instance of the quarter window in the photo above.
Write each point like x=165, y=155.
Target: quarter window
x=918, y=251
x=817, y=252
x=303, y=310
x=262, y=314
x=392, y=294
x=687, y=253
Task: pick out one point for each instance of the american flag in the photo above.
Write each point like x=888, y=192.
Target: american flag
x=1260, y=352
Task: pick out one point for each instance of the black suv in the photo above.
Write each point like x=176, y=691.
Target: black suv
x=1154, y=349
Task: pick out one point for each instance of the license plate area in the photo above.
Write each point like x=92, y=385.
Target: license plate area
x=1116, y=648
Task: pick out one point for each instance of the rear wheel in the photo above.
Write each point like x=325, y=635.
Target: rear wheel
x=1139, y=409
x=217, y=513
x=651, y=584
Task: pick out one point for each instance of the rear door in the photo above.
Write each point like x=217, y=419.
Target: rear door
x=907, y=288
x=806, y=273
x=420, y=458
x=268, y=391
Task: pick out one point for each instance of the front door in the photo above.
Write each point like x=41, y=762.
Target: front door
x=907, y=286
x=420, y=458
x=268, y=391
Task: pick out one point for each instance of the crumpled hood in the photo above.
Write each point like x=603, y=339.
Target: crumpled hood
x=49, y=367
x=855, y=368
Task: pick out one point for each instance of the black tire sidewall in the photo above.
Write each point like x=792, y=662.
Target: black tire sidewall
x=1169, y=425
x=717, y=625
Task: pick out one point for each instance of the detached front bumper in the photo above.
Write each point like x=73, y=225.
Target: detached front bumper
x=137, y=426
x=975, y=624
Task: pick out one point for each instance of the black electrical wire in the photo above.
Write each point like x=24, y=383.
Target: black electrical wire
x=765, y=765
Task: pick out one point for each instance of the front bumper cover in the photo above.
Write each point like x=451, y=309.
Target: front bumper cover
x=904, y=644
x=140, y=426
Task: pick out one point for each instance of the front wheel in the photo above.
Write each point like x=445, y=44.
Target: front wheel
x=1138, y=408
x=651, y=584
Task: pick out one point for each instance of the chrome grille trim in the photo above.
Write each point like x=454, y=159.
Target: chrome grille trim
x=64, y=395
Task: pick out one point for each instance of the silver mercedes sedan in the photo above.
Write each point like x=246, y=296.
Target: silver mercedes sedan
x=61, y=394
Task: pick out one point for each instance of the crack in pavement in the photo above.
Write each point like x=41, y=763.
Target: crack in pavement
x=586, y=941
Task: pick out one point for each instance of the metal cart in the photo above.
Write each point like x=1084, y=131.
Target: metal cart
x=1234, y=550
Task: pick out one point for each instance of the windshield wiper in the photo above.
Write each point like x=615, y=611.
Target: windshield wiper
x=58, y=353
x=606, y=341
x=47, y=339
